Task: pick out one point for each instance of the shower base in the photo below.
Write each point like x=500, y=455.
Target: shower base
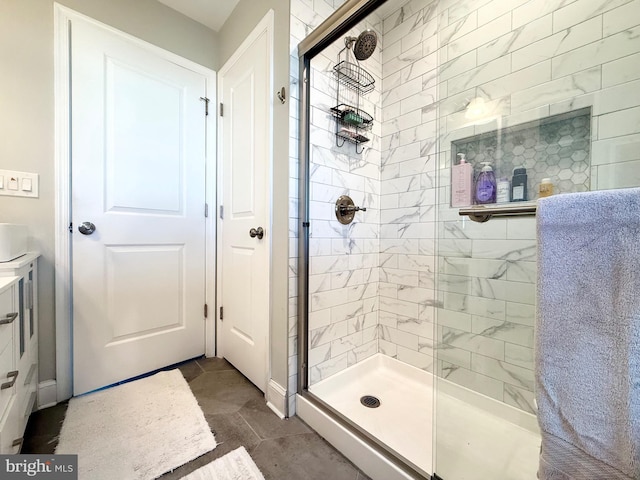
x=478, y=437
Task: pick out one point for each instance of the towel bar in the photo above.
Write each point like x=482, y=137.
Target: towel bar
x=483, y=213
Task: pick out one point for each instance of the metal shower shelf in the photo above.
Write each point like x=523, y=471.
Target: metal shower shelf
x=352, y=116
x=483, y=213
x=352, y=137
x=354, y=76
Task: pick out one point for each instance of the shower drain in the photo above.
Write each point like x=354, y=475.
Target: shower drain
x=370, y=401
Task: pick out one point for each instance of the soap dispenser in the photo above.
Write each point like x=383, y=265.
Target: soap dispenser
x=462, y=183
x=486, y=185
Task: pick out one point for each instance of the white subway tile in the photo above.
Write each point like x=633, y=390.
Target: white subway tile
x=516, y=39
x=499, y=68
x=562, y=42
x=533, y=9
x=521, y=314
x=621, y=18
x=518, y=355
x=616, y=124
x=479, y=383
x=620, y=175
x=496, y=8
x=486, y=346
x=417, y=359
x=616, y=98
x=622, y=70
x=480, y=36
x=582, y=10
x=608, y=49
x=510, y=83
x=508, y=373
x=616, y=150
x=509, y=332
x=557, y=90
x=458, y=29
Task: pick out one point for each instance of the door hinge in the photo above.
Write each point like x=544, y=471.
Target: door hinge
x=222, y=212
x=70, y=227
x=221, y=110
x=206, y=210
x=206, y=105
x=221, y=313
x=206, y=310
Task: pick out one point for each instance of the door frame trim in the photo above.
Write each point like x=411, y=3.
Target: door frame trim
x=266, y=24
x=63, y=16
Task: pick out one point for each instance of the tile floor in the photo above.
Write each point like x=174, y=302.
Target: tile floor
x=238, y=415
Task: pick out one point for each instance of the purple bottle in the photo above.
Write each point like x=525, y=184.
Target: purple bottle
x=486, y=185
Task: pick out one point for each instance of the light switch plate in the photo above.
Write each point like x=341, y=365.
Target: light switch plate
x=15, y=182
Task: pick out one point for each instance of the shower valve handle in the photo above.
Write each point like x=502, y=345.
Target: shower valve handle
x=352, y=208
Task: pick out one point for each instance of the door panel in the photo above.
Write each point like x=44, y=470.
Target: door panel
x=245, y=127
x=138, y=174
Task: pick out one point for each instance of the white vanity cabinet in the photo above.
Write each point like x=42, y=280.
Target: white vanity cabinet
x=18, y=348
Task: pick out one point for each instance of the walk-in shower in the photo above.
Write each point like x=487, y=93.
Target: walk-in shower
x=427, y=311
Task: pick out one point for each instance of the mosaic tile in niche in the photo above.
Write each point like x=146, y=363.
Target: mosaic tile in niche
x=557, y=147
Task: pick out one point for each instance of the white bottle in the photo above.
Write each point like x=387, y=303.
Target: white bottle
x=504, y=190
x=462, y=183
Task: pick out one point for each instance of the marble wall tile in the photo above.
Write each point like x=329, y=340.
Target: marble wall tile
x=502, y=330
x=519, y=398
x=417, y=359
x=454, y=319
x=622, y=18
x=470, y=342
x=551, y=92
x=480, y=36
x=617, y=98
x=594, y=54
x=362, y=352
x=319, y=354
x=616, y=124
x=518, y=355
x=535, y=9
x=616, y=149
x=516, y=39
x=621, y=70
x=511, y=374
x=554, y=45
x=326, y=369
x=456, y=356
x=497, y=8
x=514, y=82
x=473, y=380
x=619, y=175
x=581, y=10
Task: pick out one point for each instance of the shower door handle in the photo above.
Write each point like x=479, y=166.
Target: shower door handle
x=256, y=232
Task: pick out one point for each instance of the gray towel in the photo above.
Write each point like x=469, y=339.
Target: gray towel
x=588, y=325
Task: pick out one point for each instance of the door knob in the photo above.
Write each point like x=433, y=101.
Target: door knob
x=256, y=232
x=87, y=228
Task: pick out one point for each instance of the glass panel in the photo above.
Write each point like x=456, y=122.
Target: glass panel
x=542, y=92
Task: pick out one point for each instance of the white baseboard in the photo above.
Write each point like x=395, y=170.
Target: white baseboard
x=47, y=394
x=277, y=398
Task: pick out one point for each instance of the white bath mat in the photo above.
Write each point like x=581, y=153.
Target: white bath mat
x=235, y=465
x=136, y=431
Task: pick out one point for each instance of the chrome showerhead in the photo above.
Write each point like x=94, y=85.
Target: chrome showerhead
x=363, y=45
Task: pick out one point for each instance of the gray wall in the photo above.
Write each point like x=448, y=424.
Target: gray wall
x=27, y=116
x=241, y=22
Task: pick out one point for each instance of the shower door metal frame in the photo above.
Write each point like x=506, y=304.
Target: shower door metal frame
x=334, y=27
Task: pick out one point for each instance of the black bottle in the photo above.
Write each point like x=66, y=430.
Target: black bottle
x=519, y=185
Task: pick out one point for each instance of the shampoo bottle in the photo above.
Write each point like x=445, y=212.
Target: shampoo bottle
x=462, y=183
x=486, y=185
x=519, y=185
x=504, y=190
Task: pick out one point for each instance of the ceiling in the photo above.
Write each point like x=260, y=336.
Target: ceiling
x=212, y=13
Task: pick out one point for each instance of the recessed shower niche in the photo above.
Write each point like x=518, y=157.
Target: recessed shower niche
x=556, y=147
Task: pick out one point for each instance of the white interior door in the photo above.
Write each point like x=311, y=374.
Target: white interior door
x=244, y=90
x=138, y=174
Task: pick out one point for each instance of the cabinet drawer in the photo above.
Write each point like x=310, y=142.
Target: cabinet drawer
x=9, y=430
x=8, y=309
x=7, y=364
